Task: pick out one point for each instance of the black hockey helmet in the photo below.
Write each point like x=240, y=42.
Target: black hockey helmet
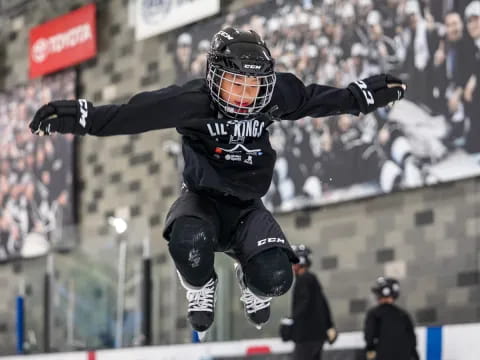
x=303, y=253
x=240, y=53
x=386, y=287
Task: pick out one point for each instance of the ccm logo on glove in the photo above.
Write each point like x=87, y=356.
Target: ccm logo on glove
x=368, y=95
x=83, y=112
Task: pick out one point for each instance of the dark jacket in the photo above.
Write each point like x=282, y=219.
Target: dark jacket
x=310, y=311
x=389, y=331
x=232, y=157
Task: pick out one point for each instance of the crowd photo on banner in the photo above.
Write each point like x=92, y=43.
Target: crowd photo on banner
x=431, y=137
x=35, y=173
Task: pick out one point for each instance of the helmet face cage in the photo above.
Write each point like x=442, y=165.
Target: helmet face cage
x=216, y=77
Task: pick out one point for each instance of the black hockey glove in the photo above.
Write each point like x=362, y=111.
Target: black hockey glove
x=377, y=91
x=62, y=116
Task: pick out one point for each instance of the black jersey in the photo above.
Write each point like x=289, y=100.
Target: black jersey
x=226, y=156
x=310, y=310
x=389, y=331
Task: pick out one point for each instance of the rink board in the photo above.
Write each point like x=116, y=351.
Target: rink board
x=453, y=342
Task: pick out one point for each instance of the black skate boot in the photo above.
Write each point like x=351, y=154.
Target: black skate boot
x=201, y=303
x=257, y=308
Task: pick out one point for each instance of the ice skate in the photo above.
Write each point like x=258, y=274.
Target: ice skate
x=201, y=304
x=257, y=308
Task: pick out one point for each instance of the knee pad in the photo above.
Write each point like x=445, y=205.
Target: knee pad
x=269, y=273
x=192, y=247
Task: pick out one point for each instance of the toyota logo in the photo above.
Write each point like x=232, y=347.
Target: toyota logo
x=40, y=50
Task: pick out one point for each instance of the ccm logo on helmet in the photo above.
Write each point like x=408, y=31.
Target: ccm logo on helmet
x=225, y=35
x=270, y=240
x=251, y=66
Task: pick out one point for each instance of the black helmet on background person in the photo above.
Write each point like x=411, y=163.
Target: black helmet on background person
x=386, y=287
x=244, y=53
x=303, y=253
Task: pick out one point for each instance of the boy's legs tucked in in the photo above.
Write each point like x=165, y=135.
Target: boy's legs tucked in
x=192, y=246
x=265, y=257
x=267, y=274
x=199, y=225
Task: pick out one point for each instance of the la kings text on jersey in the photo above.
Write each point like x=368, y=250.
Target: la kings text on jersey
x=231, y=157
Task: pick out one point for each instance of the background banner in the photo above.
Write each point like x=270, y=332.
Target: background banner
x=63, y=42
x=153, y=17
x=35, y=172
x=432, y=136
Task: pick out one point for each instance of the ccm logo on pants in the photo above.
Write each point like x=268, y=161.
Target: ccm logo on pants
x=270, y=240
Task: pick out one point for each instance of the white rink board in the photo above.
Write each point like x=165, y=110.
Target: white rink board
x=459, y=342
x=59, y=356
x=194, y=351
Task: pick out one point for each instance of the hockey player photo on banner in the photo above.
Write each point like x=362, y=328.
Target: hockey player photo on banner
x=35, y=172
x=428, y=138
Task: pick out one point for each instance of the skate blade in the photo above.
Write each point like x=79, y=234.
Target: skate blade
x=202, y=335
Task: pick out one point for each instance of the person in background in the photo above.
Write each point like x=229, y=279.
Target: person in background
x=471, y=95
x=183, y=57
x=389, y=331
x=311, y=323
x=451, y=62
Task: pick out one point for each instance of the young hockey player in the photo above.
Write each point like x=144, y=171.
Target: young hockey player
x=389, y=332
x=312, y=322
x=229, y=161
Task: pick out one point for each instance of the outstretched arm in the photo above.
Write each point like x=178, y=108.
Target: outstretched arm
x=166, y=108
x=295, y=100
